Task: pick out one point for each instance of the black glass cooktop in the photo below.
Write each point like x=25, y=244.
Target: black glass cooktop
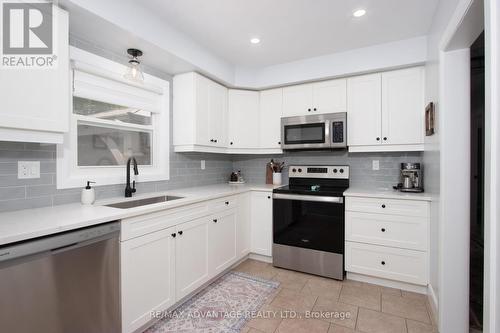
x=313, y=189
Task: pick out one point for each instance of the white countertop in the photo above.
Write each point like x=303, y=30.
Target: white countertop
x=386, y=193
x=31, y=223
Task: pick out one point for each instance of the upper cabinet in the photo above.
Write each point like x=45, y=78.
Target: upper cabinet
x=243, y=115
x=385, y=112
x=35, y=102
x=271, y=109
x=200, y=113
x=315, y=98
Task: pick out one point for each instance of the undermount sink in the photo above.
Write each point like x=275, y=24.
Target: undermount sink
x=143, y=202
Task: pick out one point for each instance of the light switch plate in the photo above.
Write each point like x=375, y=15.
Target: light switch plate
x=28, y=169
x=375, y=165
x=202, y=164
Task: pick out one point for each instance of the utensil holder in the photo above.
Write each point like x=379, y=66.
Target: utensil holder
x=277, y=178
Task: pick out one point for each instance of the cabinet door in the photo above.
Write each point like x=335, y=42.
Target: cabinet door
x=243, y=115
x=330, y=96
x=364, y=110
x=262, y=223
x=297, y=100
x=403, y=106
x=271, y=108
x=217, y=114
x=38, y=99
x=202, y=111
x=147, y=277
x=191, y=256
x=222, y=240
x=243, y=226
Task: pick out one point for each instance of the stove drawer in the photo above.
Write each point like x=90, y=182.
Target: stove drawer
x=407, y=232
x=388, y=263
x=387, y=206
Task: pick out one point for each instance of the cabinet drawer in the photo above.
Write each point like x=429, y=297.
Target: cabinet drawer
x=144, y=224
x=407, y=232
x=387, y=206
x=221, y=204
x=386, y=262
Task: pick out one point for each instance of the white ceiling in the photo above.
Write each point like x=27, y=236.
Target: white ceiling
x=291, y=29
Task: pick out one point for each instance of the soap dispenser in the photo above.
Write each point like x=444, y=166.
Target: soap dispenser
x=88, y=194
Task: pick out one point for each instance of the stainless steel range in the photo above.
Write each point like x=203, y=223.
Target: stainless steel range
x=308, y=220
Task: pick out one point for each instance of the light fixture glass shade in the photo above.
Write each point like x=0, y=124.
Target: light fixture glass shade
x=134, y=72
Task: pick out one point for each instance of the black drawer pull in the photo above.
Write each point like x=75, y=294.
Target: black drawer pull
x=383, y=263
x=180, y=233
x=269, y=197
x=227, y=202
x=383, y=206
x=174, y=234
x=383, y=229
x=215, y=220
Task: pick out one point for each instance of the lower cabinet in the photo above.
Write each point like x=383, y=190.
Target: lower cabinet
x=191, y=256
x=147, y=277
x=222, y=240
x=243, y=226
x=261, y=217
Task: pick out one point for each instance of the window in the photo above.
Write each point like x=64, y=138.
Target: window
x=111, y=121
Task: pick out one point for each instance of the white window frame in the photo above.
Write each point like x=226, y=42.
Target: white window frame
x=69, y=174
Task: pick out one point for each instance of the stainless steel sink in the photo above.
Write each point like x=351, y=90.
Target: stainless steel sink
x=143, y=202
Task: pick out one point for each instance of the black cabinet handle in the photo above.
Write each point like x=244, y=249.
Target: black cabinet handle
x=215, y=140
x=383, y=229
x=279, y=142
x=308, y=110
x=383, y=205
x=215, y=220
x=314, y=109
x=231, y=143
x=227, y=202
x=383, y=263
x=174, y=234
x=378, y=139
x=385, y=138
x=180, y=232
x=211, y=140
x=269, y=197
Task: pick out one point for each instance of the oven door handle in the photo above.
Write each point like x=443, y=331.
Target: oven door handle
x=315, y=198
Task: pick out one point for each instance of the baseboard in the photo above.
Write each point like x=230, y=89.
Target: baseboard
x=261, y=257
x=433, y=302
x=387, y=283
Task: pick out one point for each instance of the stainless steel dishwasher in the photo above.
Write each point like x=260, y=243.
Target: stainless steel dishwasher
x=64, y=283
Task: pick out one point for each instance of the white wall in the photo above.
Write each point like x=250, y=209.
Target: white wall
x=431, y=156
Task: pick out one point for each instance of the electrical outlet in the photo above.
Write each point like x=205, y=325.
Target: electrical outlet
x=28, y=169
x=202, y=164
x=375, y=165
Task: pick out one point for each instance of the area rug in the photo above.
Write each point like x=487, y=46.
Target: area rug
x=224, y=306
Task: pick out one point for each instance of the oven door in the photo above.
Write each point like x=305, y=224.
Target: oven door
x=309, y=221
x=305, y=133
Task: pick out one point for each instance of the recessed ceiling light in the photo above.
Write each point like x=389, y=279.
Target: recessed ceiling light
x=359, y=13
x=255, y=40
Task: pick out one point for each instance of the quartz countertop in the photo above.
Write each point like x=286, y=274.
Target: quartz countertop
x=386, y=193
x=31, y=223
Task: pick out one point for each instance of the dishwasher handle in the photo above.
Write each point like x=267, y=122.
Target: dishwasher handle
x=53, y=244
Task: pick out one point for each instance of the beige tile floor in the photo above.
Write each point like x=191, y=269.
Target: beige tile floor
x=372, y=309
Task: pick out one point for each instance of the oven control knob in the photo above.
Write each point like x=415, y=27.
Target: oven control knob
x=294, y=170
x=341, y=170
x=334, y=170
x=300, y=170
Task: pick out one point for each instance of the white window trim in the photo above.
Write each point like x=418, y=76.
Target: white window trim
x=69, y=175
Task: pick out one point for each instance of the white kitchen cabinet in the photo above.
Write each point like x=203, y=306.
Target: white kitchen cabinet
x=243, y=115
x=147, y=277
x=191, y=256
x=262, y=223
x=364, y=116
x=297, y=100
x=35, y=102
x=403, y=107
x=222, y=240
x=315, y=98
x=243, y=226
x=385, y=112
x=200, y=113
x=271, y=110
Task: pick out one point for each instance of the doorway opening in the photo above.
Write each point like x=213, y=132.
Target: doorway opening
x=476, y=272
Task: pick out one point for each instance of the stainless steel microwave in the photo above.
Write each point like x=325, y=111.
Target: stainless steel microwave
x=322, y=131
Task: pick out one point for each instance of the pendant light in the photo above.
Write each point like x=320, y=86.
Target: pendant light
x=134, y=71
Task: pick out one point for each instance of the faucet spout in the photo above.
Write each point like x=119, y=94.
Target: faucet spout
x=128, y=189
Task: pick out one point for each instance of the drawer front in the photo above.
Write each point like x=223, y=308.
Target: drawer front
x=224, y=203
x=385, y=262
x=387, y=206
x=405, y=232
x=145, y=224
